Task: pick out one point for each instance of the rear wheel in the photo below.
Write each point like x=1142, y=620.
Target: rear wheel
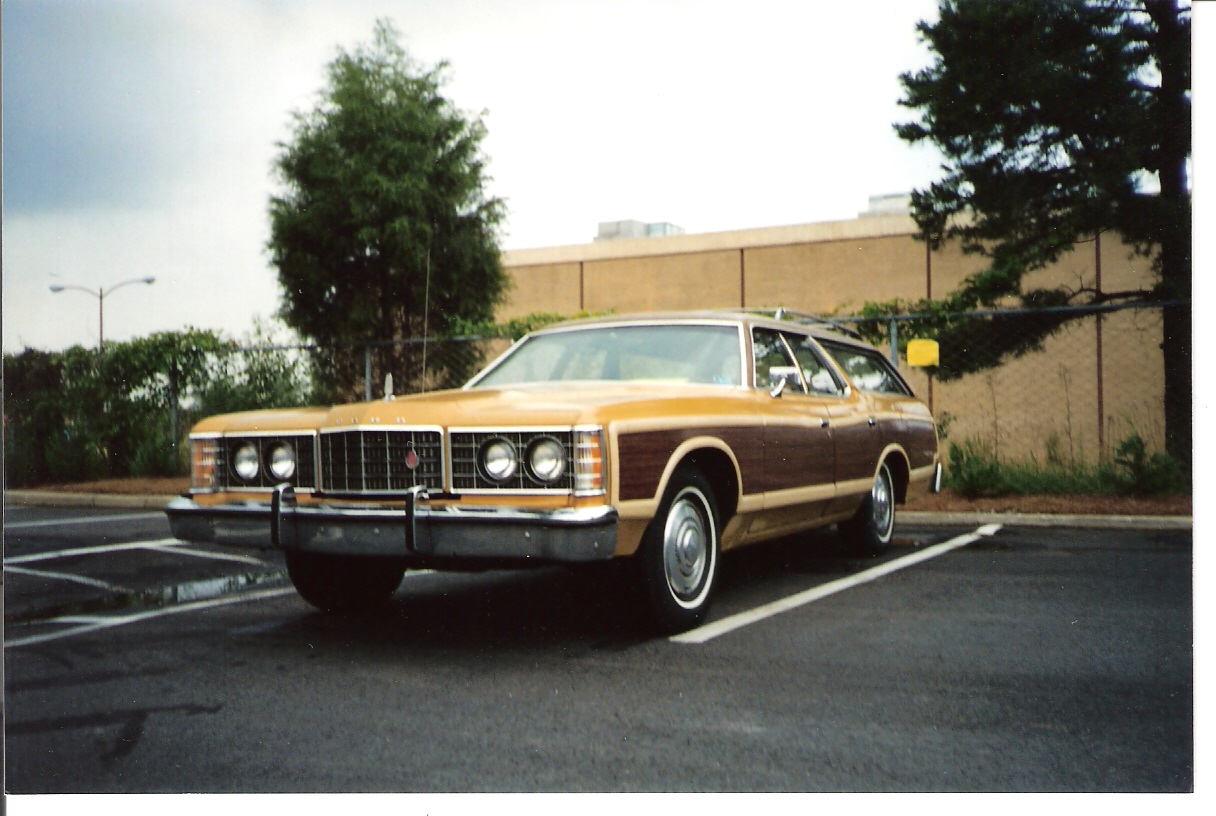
x=679, y=554
x=343, y=583
x=870, y=530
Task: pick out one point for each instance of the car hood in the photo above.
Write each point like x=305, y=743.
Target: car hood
x=525, y=405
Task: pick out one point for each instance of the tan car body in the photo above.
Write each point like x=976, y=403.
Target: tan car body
x=766, y=446
x=776, y=463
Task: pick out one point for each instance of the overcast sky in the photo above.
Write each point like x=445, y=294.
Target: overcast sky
x=139, y=135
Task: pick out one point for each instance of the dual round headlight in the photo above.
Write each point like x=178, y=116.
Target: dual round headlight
x=280, y=462
x=499, y=460
x=544, y=460
x=245, y=462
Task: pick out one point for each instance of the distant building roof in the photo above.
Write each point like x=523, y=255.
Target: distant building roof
x=613, y=230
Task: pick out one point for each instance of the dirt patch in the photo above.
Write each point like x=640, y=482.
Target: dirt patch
x=950, y=502
x=945, y=502
x=123, y=487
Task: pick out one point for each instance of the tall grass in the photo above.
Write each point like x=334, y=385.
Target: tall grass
x=976, y=470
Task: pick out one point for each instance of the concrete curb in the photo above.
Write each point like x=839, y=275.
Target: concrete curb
x=1049, y=520
x=35, y=498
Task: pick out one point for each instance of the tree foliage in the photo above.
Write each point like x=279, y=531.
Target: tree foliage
x=383, y=229
x=1059, y=120
x=84, y=414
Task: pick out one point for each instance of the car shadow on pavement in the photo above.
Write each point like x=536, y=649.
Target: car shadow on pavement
x=558, y=610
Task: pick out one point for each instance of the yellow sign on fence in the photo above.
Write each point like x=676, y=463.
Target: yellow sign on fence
x=922, y=353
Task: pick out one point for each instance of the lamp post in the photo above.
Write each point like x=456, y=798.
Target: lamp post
x=100, y=294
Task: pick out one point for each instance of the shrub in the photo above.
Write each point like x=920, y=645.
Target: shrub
x=1140, y=472
x=975, y=470
x=156, y=454
x=73, y=457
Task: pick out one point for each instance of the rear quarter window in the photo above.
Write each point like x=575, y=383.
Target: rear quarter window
x=868, y=369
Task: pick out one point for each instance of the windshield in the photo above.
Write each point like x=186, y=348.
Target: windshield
x=670, y=354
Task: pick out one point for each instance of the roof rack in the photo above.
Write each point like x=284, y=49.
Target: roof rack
x=782, y=313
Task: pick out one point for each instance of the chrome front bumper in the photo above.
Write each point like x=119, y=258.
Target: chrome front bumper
x=418, y=530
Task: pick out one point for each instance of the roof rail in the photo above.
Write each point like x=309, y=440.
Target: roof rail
x=782, y=313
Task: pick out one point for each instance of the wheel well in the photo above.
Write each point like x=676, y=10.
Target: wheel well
x=720, y=471
x=900, y=475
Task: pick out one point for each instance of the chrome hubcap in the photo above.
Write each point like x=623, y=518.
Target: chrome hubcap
x=686, y=545
x=883, y=504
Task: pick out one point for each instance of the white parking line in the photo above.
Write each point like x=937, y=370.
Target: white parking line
x=240, y=559
x=718, y=628
x=64, y=576
x=93, y=624
x=98, y=550
x=83, y=624
x=25, y=525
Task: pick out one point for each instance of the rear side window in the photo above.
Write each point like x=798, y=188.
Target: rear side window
x=868, y=370
x=818, y=375
x=803, y=372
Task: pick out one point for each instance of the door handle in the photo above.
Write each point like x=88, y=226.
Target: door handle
x=823, y=423
x=873, y=422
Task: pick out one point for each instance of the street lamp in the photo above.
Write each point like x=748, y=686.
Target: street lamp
x=100, y=294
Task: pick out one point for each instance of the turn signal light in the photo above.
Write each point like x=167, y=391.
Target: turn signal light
x=204, y=459
x=589, y=477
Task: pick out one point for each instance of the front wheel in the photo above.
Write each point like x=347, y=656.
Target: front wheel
x=679, y=554
x=343, y=583
x=870, y=530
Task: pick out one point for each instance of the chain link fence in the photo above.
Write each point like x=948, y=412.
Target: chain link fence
x=1051, y=385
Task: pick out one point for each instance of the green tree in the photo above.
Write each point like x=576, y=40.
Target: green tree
x=84, y=414
x=383, y=229
x=32, y=415
x=1059, y=120
x=263, y=372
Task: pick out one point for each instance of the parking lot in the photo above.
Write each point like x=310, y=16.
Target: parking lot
x=972, y=658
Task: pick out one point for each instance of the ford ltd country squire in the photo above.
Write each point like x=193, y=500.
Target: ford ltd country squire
x=663, y=439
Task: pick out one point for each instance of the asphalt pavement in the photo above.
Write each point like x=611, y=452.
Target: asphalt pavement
x=1020, y=660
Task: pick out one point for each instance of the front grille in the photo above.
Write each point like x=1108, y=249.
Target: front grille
x=388, y=461
x=466, y=475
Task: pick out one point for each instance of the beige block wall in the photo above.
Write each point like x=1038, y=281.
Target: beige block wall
x=835, y=277
x=1044, y=397
x=1134, y=375
x=543, y=288
x=696, y=280
x=949, y=267
x=1122, y=269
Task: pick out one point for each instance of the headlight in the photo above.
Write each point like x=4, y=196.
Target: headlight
x=282, y=461
x=245, y=463
x=547, y=459
x=499, y=460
